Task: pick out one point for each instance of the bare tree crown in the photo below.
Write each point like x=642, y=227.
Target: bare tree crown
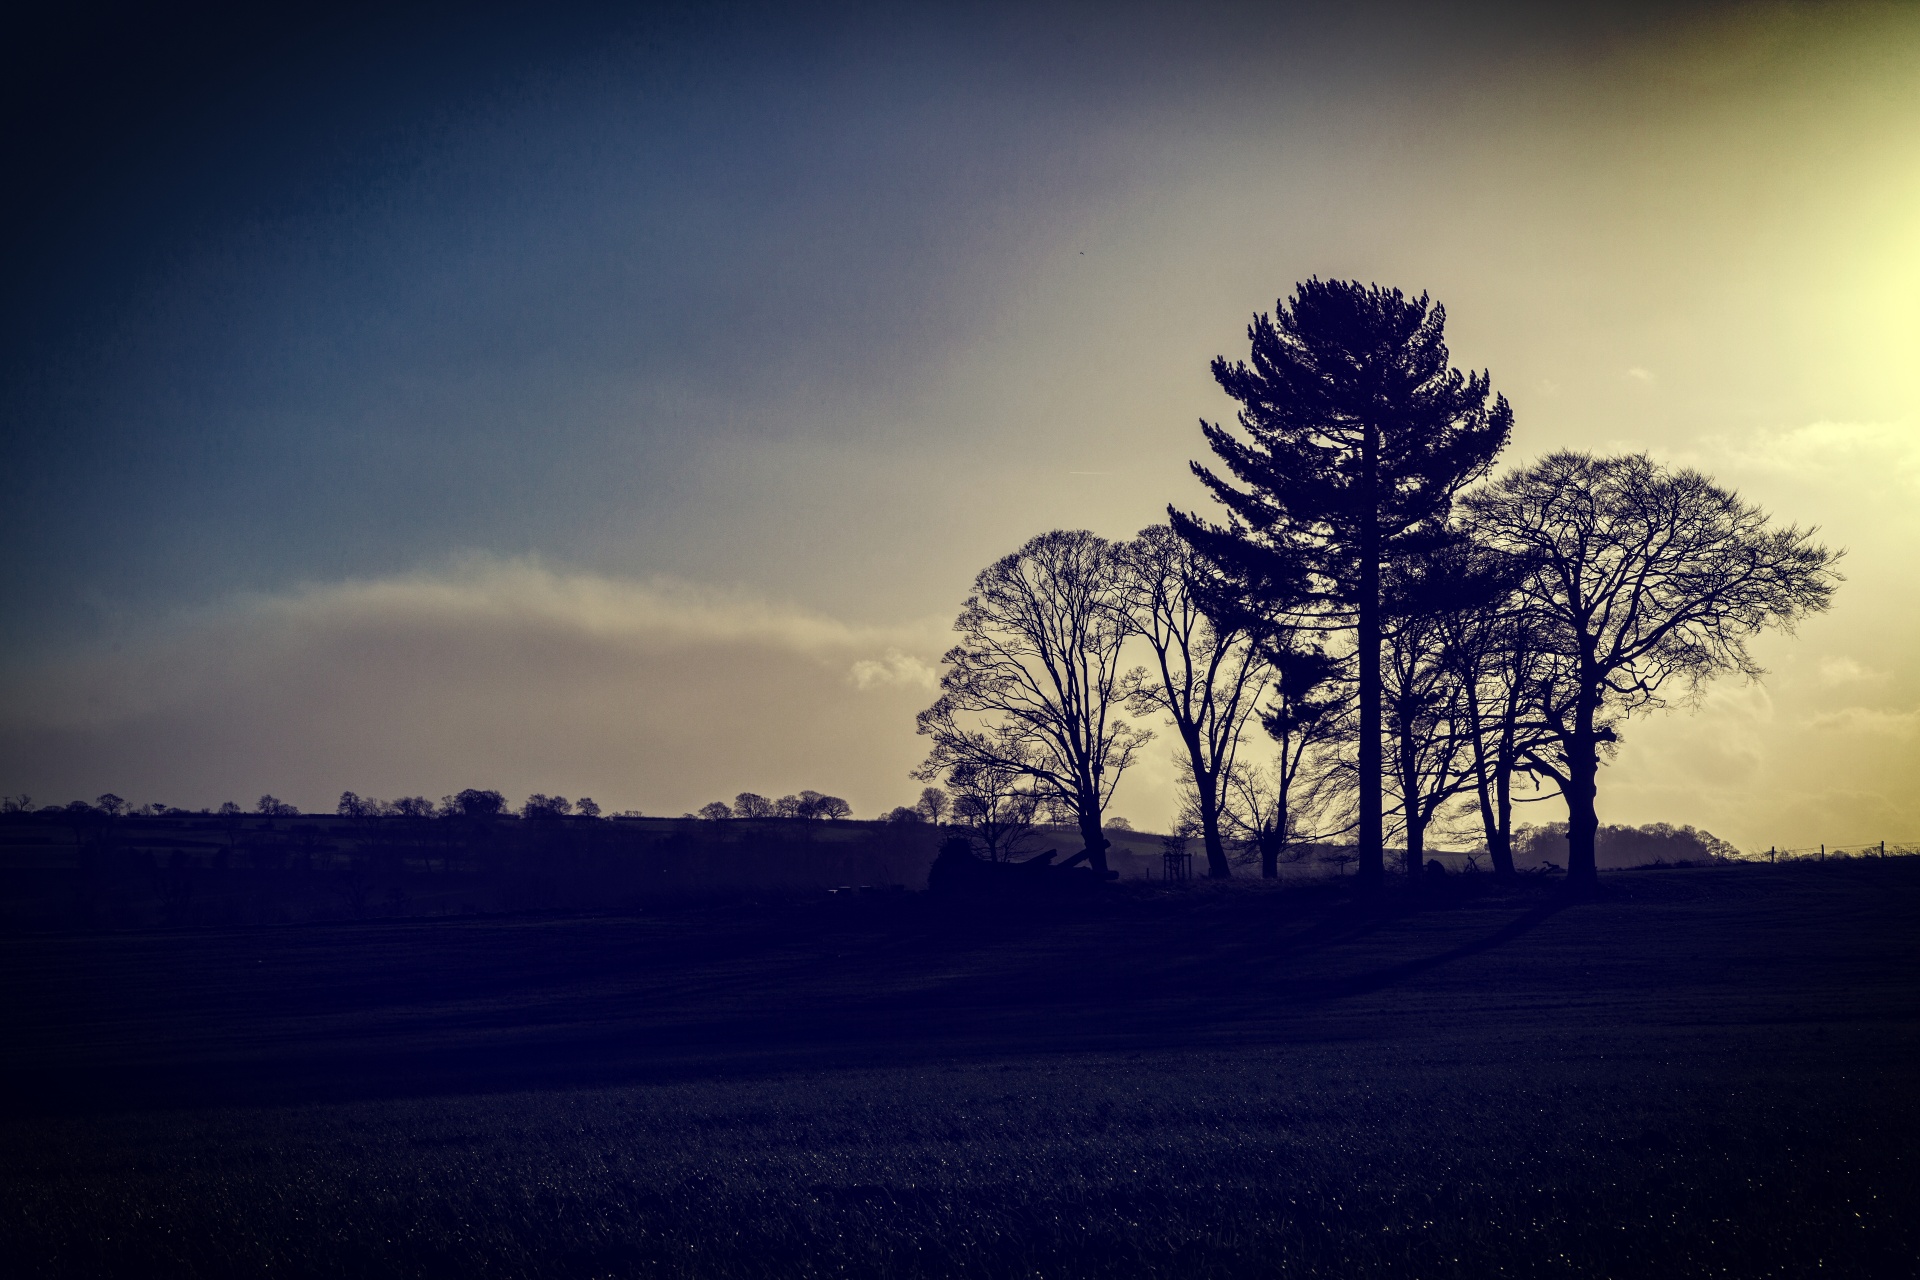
x=1649, y=580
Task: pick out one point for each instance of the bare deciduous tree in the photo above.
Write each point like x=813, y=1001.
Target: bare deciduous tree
x=1207, y=672
x=750, y=804
x=827, y=808
x=997, y=804
x=1424, y=705
x=1497, y=659
x=1035, y=683
x=1644, y=582
x=1274, y=802
x=933, y=805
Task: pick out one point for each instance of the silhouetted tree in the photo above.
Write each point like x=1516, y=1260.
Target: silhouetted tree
x=1035, y=682
x=1624, y=846
x=1424, y=704
x=473, y=803
x=1266, y=801
x=749, y=805
x=717, y=811
x=270, y=807
x=933, y=804
x=828, y=808
x=544, y=807
x=83, y=820
x=586, y=808
x=1640, y=579
x=902, y=815
x=807, y=804
x=231, y=818
x=1432, y=601
x=1207, y=671
x=996, y=803
x=1359, y=434
x=1496, y=657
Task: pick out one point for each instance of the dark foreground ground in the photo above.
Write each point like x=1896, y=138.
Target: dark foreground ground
x=1706, y=1072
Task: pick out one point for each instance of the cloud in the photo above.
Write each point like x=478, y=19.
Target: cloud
x=1871, y=722
x=1867, y=453
x=1842, y=671
x=510, y=674
x=1638, y=374
x=895, y=670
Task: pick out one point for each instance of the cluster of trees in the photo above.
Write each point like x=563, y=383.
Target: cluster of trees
x=474, y=803
x=471, y=803
x=105, y=806
x=1416, y=638
x=748, y=804
x=1624, y=846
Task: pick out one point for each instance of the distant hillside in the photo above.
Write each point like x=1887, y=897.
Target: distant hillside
x=60, y=869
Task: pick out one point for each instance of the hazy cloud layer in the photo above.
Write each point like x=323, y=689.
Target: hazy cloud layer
x=498, y=674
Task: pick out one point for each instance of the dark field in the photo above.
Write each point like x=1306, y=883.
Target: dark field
x=1705, y=1072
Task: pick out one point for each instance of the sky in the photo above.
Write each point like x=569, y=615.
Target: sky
x=619, y=401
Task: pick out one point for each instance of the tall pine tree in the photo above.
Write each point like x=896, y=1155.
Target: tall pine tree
x=1356, y=434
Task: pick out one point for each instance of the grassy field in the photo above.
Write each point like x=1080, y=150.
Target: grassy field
x=1705, y=1072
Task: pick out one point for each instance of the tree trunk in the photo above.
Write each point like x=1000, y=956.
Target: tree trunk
x=1500, y=832
x=1491, y=789
x=1583, y=823
x=1273, y=836
x=1413, y=861
x=1217, y=868
x=1499, y=818
x=1094, y=840
x=1373, y=867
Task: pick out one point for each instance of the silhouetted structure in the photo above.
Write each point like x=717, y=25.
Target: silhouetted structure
x=958, y=873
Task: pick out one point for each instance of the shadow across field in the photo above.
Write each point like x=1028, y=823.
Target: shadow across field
x=1406, y=970
x=421, y=1007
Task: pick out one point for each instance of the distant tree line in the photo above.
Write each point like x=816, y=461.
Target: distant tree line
x=1657, y=842
x=1417, y=640
x=476, y=803
x=751, y=805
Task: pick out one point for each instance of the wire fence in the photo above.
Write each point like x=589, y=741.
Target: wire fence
x=1822, y=852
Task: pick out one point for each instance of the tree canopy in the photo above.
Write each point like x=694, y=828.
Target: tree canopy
x=1355, y=436
x=1642, y=582
x=1035, y=683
